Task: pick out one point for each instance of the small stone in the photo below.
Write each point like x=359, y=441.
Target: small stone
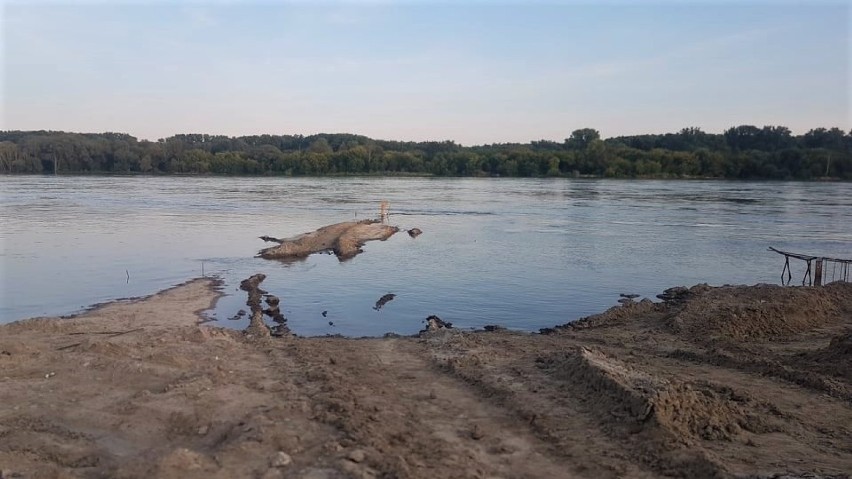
x=476, y=433
x=357, y=456
x=281, y=459
x=203, y=430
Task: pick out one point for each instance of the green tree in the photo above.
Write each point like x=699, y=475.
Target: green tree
x=581, y=139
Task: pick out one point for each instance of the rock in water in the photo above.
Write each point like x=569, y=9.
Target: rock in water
x=434, y=323
x=383, y=301
x=415, y=232
x=272, y=300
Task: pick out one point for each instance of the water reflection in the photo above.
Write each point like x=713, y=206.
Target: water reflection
x=522, y=253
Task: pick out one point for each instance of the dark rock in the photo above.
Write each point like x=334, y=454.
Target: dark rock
x=676, y=294
x=494, y=327
x=415, y=232
x=679, y=294
x=629, y=296
x=383, y=301
x=252, y=283
x=324, y=314
x=280, y=330
x=272, y=300
x=434, y=323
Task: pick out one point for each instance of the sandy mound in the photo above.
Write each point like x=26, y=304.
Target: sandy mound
x=760, y=312
x=840, y=349
x=834, y=359
x=611, y=316
x=684, y=411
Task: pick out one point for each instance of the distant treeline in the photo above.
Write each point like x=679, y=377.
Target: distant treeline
x=771, y=152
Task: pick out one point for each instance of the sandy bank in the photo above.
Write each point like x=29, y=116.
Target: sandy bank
x=714, y=382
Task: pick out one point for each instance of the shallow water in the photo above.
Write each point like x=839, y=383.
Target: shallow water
x=523, y=253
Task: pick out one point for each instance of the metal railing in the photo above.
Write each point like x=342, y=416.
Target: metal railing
x=825, y=269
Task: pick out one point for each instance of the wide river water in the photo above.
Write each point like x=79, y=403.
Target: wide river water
x=522, y=253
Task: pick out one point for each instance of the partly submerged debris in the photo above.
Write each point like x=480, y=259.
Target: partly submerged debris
x=256, y=325
x=272, y=300
x=274, y=310
x=383, y=301
x=251, y=284
x=343, y=239
x=841, y=269
x=415, y=232
x=434, y=323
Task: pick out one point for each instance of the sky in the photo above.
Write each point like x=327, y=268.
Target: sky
x=474, y=72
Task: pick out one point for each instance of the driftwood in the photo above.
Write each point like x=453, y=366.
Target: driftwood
x=343, y=239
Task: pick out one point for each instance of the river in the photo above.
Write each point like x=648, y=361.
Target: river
x=521, y=253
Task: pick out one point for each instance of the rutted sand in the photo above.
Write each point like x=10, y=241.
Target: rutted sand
x=714, y=382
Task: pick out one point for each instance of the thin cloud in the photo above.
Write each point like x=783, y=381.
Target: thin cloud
x=200, y=17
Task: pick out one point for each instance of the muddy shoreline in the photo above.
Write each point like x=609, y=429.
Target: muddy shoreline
x=713, y=382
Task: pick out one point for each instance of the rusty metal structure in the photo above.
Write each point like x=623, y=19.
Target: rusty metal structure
x=825, y=269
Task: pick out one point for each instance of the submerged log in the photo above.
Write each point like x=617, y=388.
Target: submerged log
x=383, y=301
x=343, y=239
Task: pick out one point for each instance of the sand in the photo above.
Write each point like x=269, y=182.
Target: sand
x=714, y=382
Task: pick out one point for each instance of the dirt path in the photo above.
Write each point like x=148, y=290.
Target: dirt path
x=140, y=389
x=413, y=420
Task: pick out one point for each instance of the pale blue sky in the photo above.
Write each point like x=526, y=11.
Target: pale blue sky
x=473, y=72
